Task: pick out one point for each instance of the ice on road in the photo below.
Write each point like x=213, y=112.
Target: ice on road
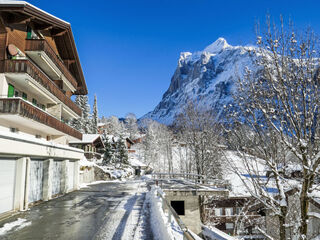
x=107, y=210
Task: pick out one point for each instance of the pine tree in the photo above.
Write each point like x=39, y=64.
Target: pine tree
x=83, y=123
x=95, y=116
x=109, y=153
x=121, y=151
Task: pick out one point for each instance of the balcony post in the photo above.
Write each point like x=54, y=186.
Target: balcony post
x=64, y=178
x=47, y=179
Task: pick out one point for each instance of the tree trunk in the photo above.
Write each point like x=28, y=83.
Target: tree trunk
x=304, y=206
x=282, y=222
x=202, y=209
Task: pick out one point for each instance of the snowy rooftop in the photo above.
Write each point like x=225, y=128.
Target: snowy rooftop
x=136, y=163
x=87, y=138
x=24, y=3
x=186, y=186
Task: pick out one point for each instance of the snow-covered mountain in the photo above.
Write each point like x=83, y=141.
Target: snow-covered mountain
x=207, y=77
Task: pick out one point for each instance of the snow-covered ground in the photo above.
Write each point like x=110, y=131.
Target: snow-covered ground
x=213, y=233
x=17, y=225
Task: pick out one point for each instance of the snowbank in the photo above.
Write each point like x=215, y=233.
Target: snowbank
x=161, y=227
x=118, y=173
x=213, y=233
x=85, y=163
x=18, y=224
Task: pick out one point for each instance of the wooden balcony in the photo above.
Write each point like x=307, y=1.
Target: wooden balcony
x=17, y=106
x=27, y=67
x=41, y=45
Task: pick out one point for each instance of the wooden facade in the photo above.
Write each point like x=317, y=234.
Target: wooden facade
x=25, y=66
x=27, y=110
x=43, y=45
x=17, y=18
x=32, y=33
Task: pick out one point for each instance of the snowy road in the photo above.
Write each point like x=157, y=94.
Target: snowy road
x=114, y=210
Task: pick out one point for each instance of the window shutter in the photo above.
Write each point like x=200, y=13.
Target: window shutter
x=10, y=90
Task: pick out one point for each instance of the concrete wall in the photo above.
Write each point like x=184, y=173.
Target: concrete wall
x=86, y=175
x=192, y=211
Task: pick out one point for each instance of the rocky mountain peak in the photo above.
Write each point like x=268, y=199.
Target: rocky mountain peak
x=205, y=77
x=217, y=46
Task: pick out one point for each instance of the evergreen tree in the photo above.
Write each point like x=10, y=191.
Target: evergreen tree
x=121, y=152
x=109, y=153
x=95, y=116
x=83, y=123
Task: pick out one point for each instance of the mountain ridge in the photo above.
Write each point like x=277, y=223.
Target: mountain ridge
x=207, y=77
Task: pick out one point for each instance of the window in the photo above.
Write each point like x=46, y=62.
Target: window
x=10, y=90
x=178, y=206
x=229, y=226
x=218, y=211
x=24, y=96
x=34, y=101
x=16, y=93
x=14, y=130
x=229, y=211
x=238, y=210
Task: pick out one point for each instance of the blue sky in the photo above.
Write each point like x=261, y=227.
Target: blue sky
x=129, y=49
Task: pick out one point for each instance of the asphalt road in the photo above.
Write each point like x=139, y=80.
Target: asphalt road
x=113, y=210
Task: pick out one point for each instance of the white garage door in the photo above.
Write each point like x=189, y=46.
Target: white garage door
x=70, y=175
x=7, y=179
x=56, y=178
x=35, y=181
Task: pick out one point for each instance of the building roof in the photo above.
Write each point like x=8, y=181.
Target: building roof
x=18, y=11
x=88, y=138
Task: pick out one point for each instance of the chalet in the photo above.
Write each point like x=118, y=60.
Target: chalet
x=39, y=72
x=92, y=144
x=129, y=143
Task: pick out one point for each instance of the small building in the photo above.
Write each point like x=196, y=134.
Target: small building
x=129, y=143
x=92, y=144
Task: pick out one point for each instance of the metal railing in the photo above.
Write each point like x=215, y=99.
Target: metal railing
x=172, y=213
x=194, y=178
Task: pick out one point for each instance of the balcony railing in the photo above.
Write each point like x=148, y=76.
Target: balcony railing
x=24, y=109
x=26, y=66
x=43, y=45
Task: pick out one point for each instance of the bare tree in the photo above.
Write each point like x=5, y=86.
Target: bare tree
x=200, y=131
x=131, y=124
x=158, y=146
x=282, y=109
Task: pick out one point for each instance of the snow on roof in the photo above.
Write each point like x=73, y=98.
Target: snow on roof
x=240, y=180
x=101, y=124
x=32, y=140
x=24, y=3
x=87, y=138
x=85, y=163
x=136, y=163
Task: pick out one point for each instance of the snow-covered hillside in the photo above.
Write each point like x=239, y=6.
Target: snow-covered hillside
x=206, y=77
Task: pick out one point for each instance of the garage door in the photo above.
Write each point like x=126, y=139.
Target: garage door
x=7, y=179
x=35, y=181
x=56, y=178
x=70, y=175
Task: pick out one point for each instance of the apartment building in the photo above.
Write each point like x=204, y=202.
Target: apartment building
x=39, y=72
